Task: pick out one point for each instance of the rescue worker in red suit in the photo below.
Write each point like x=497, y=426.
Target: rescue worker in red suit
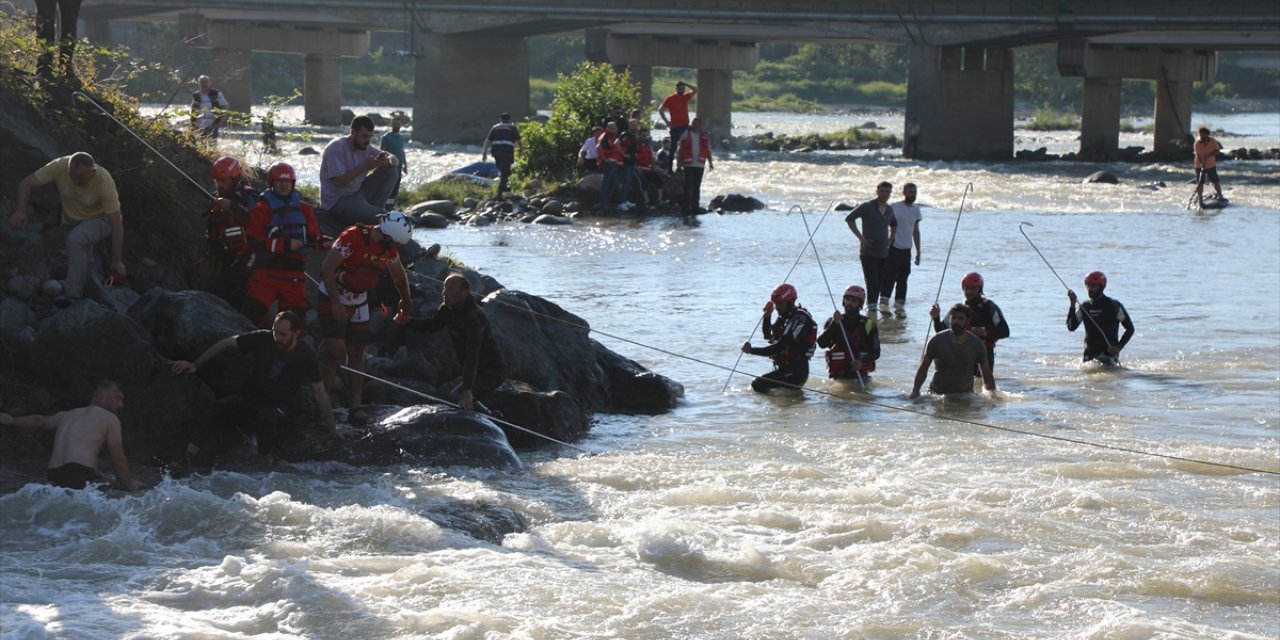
x=854, y=354
x=225, y=222
x=791, y=341
x=986, y=321
x=351, y=269
x=281, y=226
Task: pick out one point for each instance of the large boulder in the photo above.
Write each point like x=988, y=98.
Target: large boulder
x=183, y=324
x=554, y=414
x=1101, y=177
x=634, y=389
x=430, y=435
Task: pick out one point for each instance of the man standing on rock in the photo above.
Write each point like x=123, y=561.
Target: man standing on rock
x=483, y=368
x=225, y=221
x=357, y=178
x=79, y=435
x=393, y=142
x=694, y=152
x=281, y=228
x=502, y=141
x=873, y=239
x=282, y=365
x=674, y=109
x=90, y=213
x=358, y=258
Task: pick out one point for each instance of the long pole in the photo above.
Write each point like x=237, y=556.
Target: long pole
x=443, y=401
x=942, y=280
x=840, y=325
x=84, y=96
x=1064, y=283
x=799, y=256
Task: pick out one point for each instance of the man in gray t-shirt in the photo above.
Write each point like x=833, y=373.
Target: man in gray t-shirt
x=956, y=353
x=873, y=239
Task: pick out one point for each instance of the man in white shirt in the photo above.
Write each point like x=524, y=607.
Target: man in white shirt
x=905, y=232
x=208, y=109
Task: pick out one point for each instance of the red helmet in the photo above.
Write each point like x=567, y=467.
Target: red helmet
x=226, y=168
x=784, y=293
x=281, y=171
x=1096, y=277
x=856, y=291
x=972, y=279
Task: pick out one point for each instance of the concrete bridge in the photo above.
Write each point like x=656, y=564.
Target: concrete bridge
x=472, y=57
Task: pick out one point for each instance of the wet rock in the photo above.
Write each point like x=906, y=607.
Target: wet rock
x=430, y=220
x=23, y=286
x=1101, y=177
x=552, y=207
x=735, y=202
x=551, y=219
x=550, y=413
x=442, y=207
x=309, y=151
x=183, y=324
x=430, y=435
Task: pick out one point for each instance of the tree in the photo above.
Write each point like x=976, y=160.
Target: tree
x=582, y=100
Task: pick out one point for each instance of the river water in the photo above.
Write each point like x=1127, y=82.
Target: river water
x=832, y=513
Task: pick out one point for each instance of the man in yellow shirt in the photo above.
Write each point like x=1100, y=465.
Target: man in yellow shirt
x=90, y=213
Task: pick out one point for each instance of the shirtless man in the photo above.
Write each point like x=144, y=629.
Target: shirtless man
x=78, y=438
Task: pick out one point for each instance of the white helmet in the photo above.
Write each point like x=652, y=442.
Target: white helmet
x=396, y=227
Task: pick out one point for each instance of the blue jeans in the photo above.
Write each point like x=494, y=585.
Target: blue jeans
x=609, y=183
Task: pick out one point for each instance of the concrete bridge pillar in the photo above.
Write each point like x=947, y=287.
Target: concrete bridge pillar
x=462, y=83
x=322, y=89
x=963, y=100
x=642, y=77
x=1173, y=114
x=715, y=102
x=1100, y=118
x=231, y=71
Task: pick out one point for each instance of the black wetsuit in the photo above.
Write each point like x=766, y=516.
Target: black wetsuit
x=791, y=341
x=483, y=368
x=1106, y=315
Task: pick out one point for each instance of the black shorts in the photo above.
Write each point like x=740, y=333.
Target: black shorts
x=74, y=475
x=350, y=332
x=1209, y=175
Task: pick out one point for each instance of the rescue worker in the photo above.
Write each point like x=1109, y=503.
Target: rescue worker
x=281, y=227
x=483, y=368
x=225, y=222
x=985, y=318
x=351, y=269
x=1206, y=151
x=860, y=334
x=503, y=141
x=1105, y=317
x=791, y=341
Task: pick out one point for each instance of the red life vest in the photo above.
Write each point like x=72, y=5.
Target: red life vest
x=838, y=355
x=644, y=154
x=608, y=149
x=359, y=272
x=686, y=148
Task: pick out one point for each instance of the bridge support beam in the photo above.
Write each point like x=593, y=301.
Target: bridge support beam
x=1100, y=118
x=963, y=100
x=462, y=83
x=231, y=71
x=1173, y=115
x=322, y=89
x=715, y=102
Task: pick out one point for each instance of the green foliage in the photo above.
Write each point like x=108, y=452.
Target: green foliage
x=788, y=102
x=378, y=89
x=582, y=99
x=862, y=135
x=1047, y=119
x=1036, y=80
x=454, y=190
x=541, y=93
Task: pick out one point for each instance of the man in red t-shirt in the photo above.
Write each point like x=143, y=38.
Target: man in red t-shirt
x=678, y=106
x=350, y=271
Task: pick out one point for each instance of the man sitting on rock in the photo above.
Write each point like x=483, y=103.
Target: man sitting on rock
x=357, y=178
x=79, y=435
x=483, y=369
x=282, y=364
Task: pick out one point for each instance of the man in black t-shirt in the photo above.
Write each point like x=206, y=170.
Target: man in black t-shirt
x=282, y=364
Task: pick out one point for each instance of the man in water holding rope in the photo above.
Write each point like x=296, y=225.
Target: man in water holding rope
x=956, y=353
x=861, y=336
x=1206, y=151
x=483, y=369
x=791, y=341
x=79, y=435
x=985, y=318
x=1105, y=317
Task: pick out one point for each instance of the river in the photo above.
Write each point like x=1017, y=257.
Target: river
x=832, y=513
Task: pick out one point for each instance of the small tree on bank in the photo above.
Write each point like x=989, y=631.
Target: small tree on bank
x=582, y=100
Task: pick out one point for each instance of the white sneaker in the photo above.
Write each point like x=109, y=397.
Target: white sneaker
x=626, y=206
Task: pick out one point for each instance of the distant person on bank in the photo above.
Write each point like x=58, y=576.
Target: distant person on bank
x=694, y=153
x=503, y=141
x=674, y=109
x=393, y=142
x=90, y=213
x=357, y=178
x=955, y=353
x=208, y=109
x=69, y=12
x=588, y=153
x=79, y=436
